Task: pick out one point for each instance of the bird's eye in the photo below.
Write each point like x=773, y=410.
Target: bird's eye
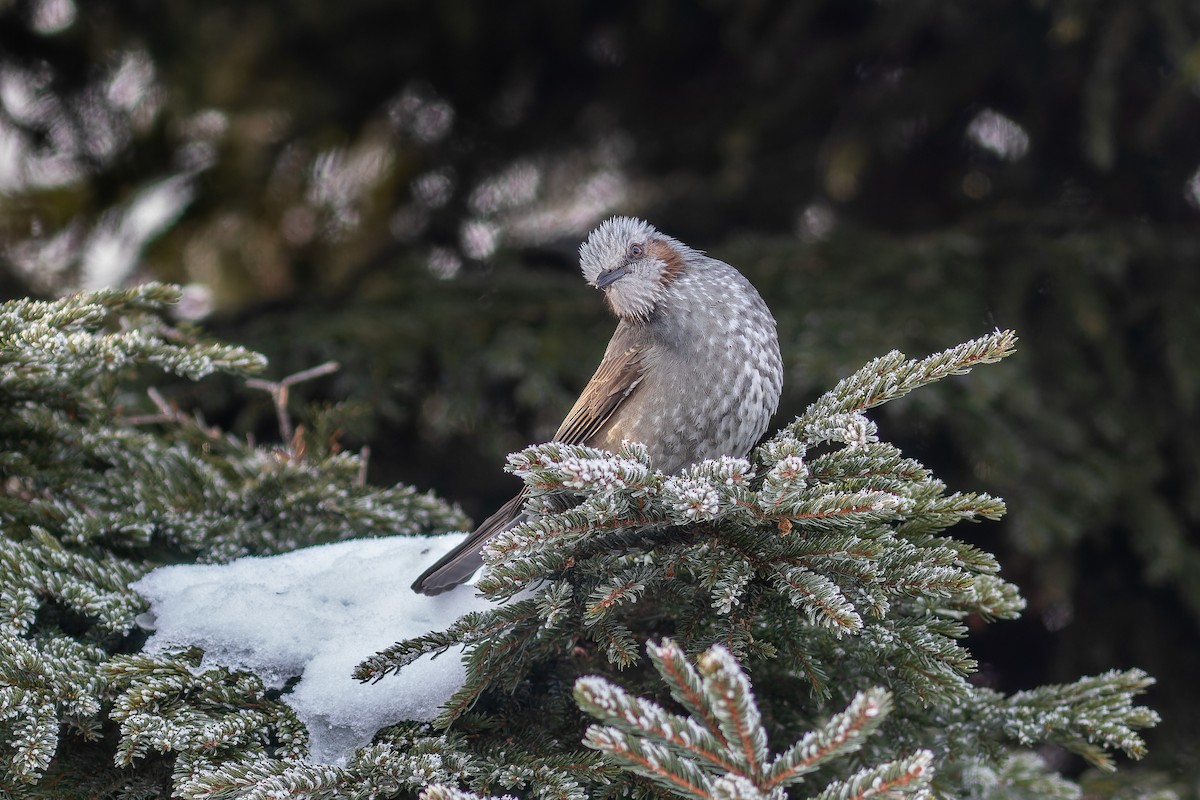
x=635, y=250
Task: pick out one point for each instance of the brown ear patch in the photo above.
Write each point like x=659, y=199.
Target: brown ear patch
x=669, y=256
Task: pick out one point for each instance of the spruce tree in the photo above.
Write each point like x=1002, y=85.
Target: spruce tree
x=792, y=624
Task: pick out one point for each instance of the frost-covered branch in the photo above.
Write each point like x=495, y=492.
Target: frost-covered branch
x=720, y=749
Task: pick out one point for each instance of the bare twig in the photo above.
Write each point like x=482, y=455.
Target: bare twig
x=169, y=413
x=166, y=412
x=279, y=391
x=160, y=402
x=364, y=456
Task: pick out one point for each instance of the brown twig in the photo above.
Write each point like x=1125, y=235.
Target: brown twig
x=279, y=391
x=363, y=457
x=166, y=412
x=169, y=413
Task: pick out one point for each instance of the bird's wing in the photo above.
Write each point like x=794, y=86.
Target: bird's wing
x=617, y=376
x=460, y=563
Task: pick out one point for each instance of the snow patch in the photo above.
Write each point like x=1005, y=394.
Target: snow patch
x=317, y=613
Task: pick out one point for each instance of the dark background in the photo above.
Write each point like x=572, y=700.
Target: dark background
x=401, y=187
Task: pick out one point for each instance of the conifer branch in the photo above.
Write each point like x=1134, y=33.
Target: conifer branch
x=650, y=760
x=721, y=751
x=733, y=704
x=843, y=734
x=685, y=736
x=1089, y=717
x=623, y=587
x=906, y=777
x=819, y=597
x=892, y=376
x=685, y=683
x=440, y=791
x=262, y=779
x=476, y=626
x=617, y=640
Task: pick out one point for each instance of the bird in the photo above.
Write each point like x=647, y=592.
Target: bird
x=693, y=370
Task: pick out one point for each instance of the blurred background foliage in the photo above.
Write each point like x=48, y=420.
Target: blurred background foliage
x=401, y=186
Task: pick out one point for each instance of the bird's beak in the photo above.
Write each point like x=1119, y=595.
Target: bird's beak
x=605, y=279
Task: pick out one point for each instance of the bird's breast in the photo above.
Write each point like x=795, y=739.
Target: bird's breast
x=712, y=380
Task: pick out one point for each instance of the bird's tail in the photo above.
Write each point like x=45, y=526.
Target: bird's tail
x=460, y=563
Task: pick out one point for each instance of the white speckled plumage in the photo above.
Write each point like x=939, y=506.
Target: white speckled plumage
x=713, y=370
x=693, y=369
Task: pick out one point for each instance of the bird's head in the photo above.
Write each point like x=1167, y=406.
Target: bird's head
x=633, y=264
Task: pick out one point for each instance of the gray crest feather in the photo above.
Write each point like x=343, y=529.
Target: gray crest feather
x=608, y=243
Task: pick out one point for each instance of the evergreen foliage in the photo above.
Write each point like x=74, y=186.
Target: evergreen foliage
x=96, y=490
x=720, y=750
x=820, y=568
